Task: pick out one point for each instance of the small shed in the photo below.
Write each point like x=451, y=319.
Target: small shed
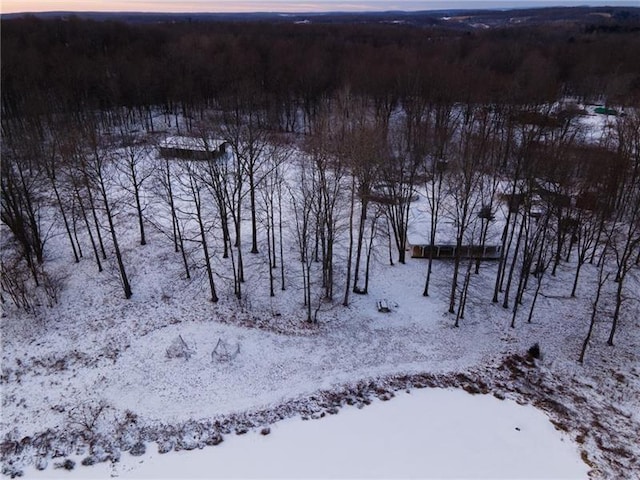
x=440, y=251
x=192, y=148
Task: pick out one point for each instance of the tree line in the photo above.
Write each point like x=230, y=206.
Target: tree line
x=73, y=65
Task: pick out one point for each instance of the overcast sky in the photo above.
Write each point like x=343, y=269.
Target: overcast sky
x=8, y=6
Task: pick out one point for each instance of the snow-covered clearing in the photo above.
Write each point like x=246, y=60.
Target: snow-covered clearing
x=97, y=375
x=115, y=355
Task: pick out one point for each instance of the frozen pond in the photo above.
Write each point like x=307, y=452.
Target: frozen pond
x=430, y=433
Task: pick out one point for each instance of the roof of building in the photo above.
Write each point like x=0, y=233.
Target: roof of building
x=197, y=144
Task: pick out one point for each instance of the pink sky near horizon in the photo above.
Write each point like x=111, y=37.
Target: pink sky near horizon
x=174, y=6
x=9, y=6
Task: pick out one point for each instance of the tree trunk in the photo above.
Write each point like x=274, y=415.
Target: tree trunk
x=575, y=279
x=143, y=240
x=535, y=298
x=87, y=224
x=594, y=312
x=350, y=251
x=174, y=218
x=66, y=222
x=280, y=235
x=368, y=259
x=96, y=222
x=463, y=296
x=363, y=217
x=183, y=253
x=454, y=280
x=205, y=247
x=254, y=222
x=123, y=274
x=505, y=303
x=616, y=313
x=270, y=253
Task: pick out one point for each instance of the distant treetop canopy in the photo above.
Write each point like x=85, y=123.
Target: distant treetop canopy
x=73, y=64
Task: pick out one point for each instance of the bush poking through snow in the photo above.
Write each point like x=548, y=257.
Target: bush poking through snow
x=85, y=418
x=68, y=464
x=534, y=351
x=41, y=463
x=179, y=349
x=53, y=285
x=213, y=439
x=15, y=283
x=138, y=449
x=10, y=470
x=165, y=446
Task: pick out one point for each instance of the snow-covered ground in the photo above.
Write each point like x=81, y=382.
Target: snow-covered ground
x=96, y=350
x=91, y=376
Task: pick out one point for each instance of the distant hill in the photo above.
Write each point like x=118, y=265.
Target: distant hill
x=597, y=17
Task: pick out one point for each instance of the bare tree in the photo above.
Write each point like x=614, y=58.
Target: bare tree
x=77, y=184
x=191, y=181
x=303, y=198
x=244, y=128
x=444, y=121
x=463, y=294
x=364, y=147
x=76, y=154
x=164, y=178
x=97, y=165
x=22, y=201
x=352, y=202
x=520, y=140
x=602, y=279
x=624, y=237
x=463, y=185
x=400, y=174
x=134, y=152
x=50, y=161
x=534, y=239
x=586, y=235
x=277, y=154
x=330, y=172
x=542, y=263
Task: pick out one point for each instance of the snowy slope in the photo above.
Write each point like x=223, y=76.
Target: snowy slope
x=95, y=349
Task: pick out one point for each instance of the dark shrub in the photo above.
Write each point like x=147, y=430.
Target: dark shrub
x=138, y=449
x=534, y=351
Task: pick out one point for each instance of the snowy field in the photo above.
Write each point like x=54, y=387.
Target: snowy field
x=90, y=378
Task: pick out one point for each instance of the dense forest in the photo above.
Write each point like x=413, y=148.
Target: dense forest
x=73, y=65
x=470, y=118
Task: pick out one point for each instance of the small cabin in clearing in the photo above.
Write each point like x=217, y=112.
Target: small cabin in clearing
x=439, y=241
x=439, y=251
x=192, y=148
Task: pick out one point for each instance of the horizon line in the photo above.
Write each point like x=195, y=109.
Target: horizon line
x=310, y=12
x=307, y=7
